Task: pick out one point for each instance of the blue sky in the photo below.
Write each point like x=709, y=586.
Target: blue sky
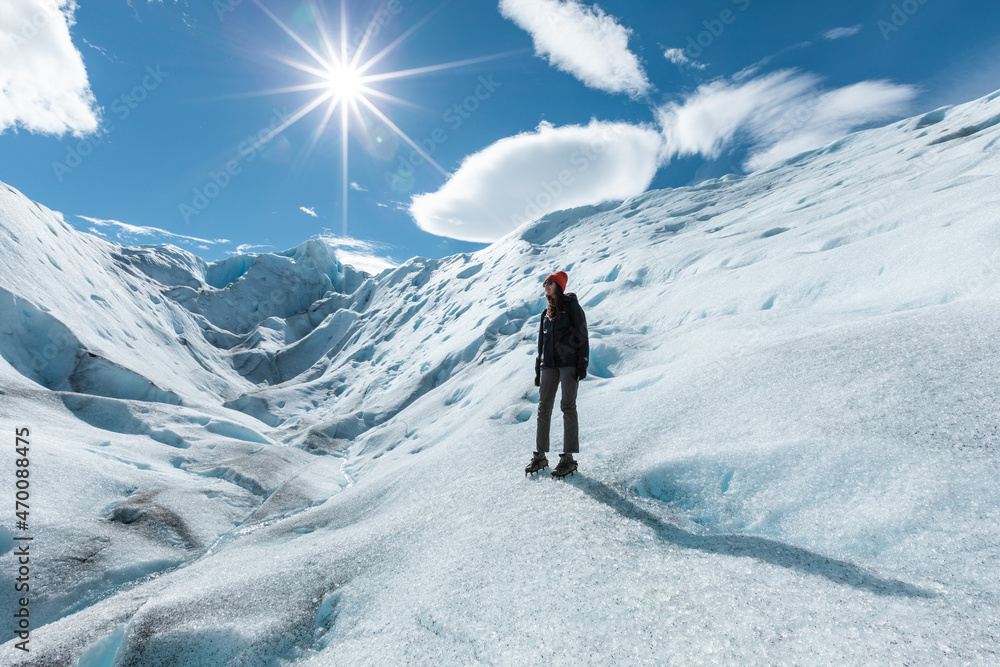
x=170, y=121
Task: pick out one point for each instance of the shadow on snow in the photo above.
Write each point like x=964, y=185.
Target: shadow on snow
x=750, y=546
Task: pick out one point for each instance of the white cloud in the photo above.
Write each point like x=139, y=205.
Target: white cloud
x=678, y=57
x=43, y=81
x=246, y=248
x=841, y=33
x=529, y=175
x=308, y=211
x=362, y=255
x=355, y=186
x=583, y=41
x=707, y=120
x=778, y=115
x=831, y=115
x=104, y=52
x=126, y=233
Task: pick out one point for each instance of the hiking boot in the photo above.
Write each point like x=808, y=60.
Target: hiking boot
x=567, y=466
x=538, y=461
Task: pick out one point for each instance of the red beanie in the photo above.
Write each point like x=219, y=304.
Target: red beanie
x=560, y=278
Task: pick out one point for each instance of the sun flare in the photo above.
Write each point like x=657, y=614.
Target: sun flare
x=345, y=82
x=341, y=79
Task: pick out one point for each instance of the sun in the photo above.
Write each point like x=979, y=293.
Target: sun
x=345, y=81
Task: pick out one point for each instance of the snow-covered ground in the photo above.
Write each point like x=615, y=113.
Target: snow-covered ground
x=789, y=432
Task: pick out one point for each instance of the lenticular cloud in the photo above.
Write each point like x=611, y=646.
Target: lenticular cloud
x=527, y=176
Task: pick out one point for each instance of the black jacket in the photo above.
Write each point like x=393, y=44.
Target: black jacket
x=563, y=341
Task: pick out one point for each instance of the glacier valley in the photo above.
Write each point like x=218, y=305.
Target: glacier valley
x=789, y=433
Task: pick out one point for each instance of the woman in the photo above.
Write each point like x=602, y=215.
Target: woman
x=563, y=356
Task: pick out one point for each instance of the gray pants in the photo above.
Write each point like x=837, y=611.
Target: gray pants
x=551, y=379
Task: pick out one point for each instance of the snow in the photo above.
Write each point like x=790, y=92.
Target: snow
x=788, y=434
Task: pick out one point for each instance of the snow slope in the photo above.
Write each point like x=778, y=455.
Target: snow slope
x=789, y=433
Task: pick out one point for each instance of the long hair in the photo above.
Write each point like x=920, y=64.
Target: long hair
x=555, y=302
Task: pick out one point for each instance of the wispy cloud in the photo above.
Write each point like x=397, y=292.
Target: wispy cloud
x=529, y=175
x=126, y=233
x=754, y=69
x=43, y=81
x=104, y=52
x=355, y=186
x=308, y=211
x=247, y=248
x=842, y=33
x=708, y=119
x=967, y=79
x=580, y=40
x=362, y=255
x=827, y=116
x=678, y=57
x=777, y=115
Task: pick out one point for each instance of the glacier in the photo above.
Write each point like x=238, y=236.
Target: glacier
x=789, y=434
